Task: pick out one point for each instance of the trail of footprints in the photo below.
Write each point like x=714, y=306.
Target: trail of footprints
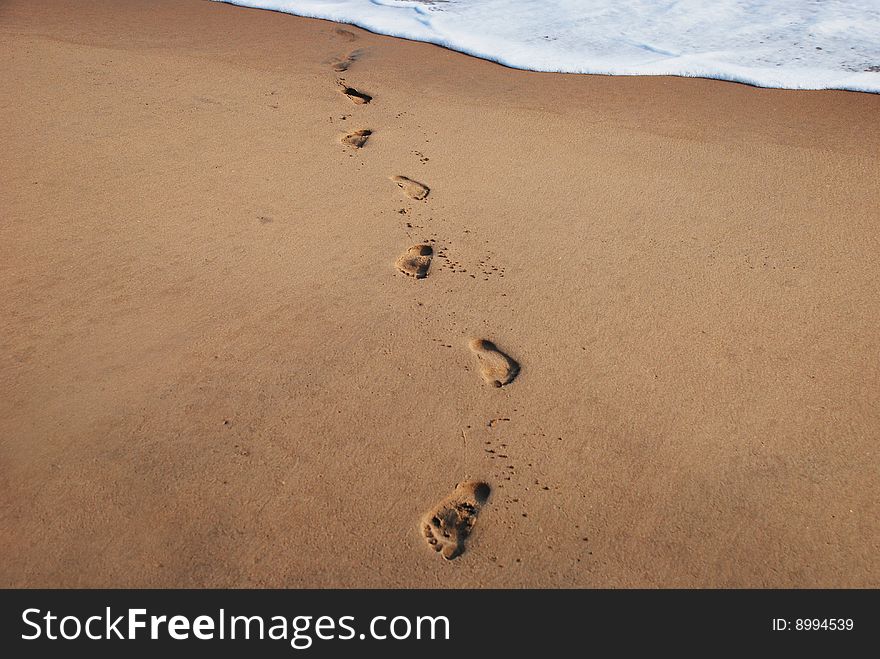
x=448, y=524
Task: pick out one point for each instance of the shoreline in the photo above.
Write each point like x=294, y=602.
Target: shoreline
x=690, y=57
x=216, y=374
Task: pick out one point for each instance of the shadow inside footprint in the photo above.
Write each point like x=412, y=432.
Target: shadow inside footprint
x=357, y=97
x=447, y=525
x=415, y=261
x=496, y=367
x=412, y=189
x=357, y=139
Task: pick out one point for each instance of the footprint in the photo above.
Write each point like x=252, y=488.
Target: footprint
x=345, y=34
x=341, y=64
x=448, y=524
x=415, y=261
x=497, y=368
x=357, y=139
x=412, y=189
x=356, y=97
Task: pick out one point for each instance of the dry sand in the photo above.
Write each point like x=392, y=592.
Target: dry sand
x=213, y=374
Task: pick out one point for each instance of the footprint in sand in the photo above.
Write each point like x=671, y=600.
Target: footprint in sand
x=497, y=368
x=357, y=139
x=412, y=189
x=448, y=524
x=341, y=64
x=345, y=34
x=415, y=261
x=359, y=98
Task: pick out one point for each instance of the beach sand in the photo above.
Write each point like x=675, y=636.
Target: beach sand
x=214, y=374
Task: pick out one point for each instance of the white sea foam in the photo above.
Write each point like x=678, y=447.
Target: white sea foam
x=792, y=44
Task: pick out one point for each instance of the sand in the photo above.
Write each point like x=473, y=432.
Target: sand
x=214, y=374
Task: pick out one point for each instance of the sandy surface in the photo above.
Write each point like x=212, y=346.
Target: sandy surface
x=213, y=374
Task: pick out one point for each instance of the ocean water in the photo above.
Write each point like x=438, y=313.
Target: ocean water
x=790, y=44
